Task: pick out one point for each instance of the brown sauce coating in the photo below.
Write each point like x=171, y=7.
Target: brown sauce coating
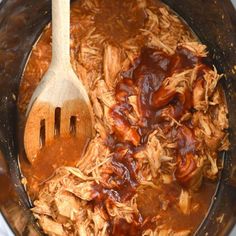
x=149, y=72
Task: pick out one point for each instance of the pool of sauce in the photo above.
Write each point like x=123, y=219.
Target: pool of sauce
x=61, y=152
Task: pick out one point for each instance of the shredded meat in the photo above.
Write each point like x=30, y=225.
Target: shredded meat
x=160, y=120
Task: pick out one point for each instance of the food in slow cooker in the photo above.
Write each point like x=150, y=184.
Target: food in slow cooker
x=160, y=120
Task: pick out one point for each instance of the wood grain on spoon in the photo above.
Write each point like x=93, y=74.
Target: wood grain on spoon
x=60, y=105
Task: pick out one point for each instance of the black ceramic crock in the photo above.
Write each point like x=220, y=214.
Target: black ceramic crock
x=22, y=21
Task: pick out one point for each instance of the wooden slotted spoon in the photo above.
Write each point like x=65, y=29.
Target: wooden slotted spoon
x=60, y=105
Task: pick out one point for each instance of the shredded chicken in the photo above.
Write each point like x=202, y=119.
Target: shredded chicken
x=185, y=202
x=112, y=65
x=161, y=145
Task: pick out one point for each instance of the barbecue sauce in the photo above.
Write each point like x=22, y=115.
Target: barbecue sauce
x=146, y=80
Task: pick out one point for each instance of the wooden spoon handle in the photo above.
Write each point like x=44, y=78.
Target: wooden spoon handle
x=61, y=33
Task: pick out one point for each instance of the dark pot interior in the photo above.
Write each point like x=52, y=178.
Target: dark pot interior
x=22, y=21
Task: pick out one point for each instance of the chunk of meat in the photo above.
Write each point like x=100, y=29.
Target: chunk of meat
x=153, y=21
x=66, y=205
x=186, y=140
x=42, y=207
x=211, y=77
x=96, y=150
x=99, y=218
x=111, y=65
x=84, y=190
x=213, y=170
x=51, y=227
x=162, y=97
x=134, y=103
x=175, y=93
x=197, y=48
x=199, y=102
x=186, y=169
x=123, y=128
x=212, y=135
x=125, y=89
x=97, y=107
x=120, y=210
x=219, y=115
x=154, y=153
x=185, y=202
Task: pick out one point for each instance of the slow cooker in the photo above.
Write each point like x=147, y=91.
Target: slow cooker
x=21, y=23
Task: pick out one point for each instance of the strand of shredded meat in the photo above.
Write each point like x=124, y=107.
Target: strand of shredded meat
x=151, y=134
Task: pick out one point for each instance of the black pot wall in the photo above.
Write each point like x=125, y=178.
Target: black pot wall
x=22, y=21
